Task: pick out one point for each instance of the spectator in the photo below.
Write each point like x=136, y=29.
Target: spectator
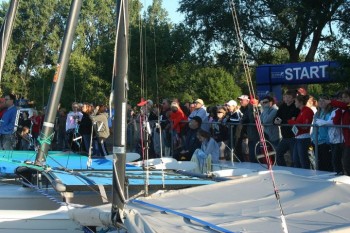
x=100, y=121
x=324, y=150
x=25, y=139
x=302, y=133
x=177, y=118
x=36, y=123
x=85, y=127
x=234, y=117
x=7, y=126
x=285, y=112
x=72, y=127
x=336, y=138
x=272, y=132
x=219, y=131
x=252, y=132
x=23, y=121
x=61, y=130
x=207, y=154
x=165, y=126
x=200, y=111
x=312, y=103
x=192, y=107
x=345, y=120
x=186, y=108
x=242, y=143
x=191, y=143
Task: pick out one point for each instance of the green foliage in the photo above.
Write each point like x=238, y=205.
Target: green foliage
x=199, y=59
x=187, y=83
x=215, y=86
x=297, y=26
x=162, y=47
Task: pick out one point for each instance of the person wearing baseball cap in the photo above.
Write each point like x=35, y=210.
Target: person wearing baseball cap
x=200, y=110
x=243, y=97
x=199, y=101
x=243, y=102
x=234, y=116
x=231, y=106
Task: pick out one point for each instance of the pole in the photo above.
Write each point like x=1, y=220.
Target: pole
x=57, y=83
x=6, y=31
x=120, y=73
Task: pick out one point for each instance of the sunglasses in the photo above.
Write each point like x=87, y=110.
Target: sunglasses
x=264, y=102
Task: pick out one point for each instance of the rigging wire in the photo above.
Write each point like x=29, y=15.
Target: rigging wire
x=144, y=137
x=256, y=110
x=141, y=56
x=157, y=94
x=2, y=55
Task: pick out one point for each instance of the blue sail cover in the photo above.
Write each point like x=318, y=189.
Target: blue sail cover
x=70, y=170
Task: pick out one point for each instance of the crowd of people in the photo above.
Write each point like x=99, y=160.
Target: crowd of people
x=84, y=129
x=192, y=131
x=298, y=127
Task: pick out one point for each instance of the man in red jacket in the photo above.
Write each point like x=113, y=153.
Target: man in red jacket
x=344, y=104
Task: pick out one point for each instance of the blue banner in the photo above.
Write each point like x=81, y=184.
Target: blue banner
x=295, y=73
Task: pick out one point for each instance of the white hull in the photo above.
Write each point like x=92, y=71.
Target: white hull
x=34, y=221
x=26, y=210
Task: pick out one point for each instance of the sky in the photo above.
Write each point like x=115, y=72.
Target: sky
x=170, y=5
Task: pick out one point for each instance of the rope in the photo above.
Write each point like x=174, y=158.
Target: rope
x=42, y=139
x=2, y=55
x=158, y=112
x=28, y=184
x=256, y=111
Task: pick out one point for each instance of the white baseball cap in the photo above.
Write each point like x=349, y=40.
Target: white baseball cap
x=243, y=97
x=231, y=103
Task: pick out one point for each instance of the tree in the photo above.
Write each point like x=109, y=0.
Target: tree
x=38, y=34
x=156, y=45
x=189, y=82
x=293, y=25
x=26, y=48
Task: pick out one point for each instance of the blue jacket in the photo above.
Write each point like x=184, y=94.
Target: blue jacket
x=322, y=131
x=7, y=125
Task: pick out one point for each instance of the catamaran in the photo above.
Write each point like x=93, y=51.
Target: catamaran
x=299, y=201
x=52, y=182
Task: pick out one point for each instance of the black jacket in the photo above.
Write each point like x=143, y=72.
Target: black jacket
x=286, y=112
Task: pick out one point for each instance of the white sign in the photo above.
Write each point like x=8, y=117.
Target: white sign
x=310, y=72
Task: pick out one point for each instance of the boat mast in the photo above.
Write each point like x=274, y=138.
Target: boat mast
x=57, y=83
x=6, y=31
x=120, y=84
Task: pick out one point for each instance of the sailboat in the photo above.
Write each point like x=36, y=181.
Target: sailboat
x=49, y=187
x=25, y=210
x=307, y=200
x=312, y=201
